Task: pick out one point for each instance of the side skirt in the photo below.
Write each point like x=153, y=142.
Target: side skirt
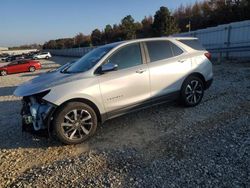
x=145, y=104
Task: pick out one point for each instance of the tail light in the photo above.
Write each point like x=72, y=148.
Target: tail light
x=208, y=55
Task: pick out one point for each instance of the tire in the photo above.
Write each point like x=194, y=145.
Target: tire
x=47, y=57
x=32, y=69
x=3, y=73
x=74, y=123
x=192, y=91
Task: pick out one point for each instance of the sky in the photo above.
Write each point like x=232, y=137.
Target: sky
x=37, y=21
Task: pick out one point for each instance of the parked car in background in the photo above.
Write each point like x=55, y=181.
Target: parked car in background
x=20, y=66
x=4, y=55
x=3, y=58
x=28, y=56
x=14, y=58
x=112, y=80
x=43, y=55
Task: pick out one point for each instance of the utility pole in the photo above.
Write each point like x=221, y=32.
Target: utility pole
x=189, y=26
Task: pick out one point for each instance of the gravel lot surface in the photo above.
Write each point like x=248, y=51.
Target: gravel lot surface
x=163, y=146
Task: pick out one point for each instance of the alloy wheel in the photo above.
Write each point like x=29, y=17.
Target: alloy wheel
x=194, y=92
x=32, y=69
x=77, y=124
x=3, y=73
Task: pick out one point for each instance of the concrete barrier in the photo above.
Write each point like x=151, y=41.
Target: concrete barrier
x=71, y=52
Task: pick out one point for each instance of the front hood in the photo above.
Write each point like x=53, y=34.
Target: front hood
x=45, y=82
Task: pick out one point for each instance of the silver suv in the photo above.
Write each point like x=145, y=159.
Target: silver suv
x=113, y=80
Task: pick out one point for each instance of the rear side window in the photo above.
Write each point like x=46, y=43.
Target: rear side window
x=195, y=44
x=160, y=50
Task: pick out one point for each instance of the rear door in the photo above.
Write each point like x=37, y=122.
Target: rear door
x=167, y=67
x=127, y=87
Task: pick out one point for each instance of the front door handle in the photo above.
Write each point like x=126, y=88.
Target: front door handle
x=140, y=71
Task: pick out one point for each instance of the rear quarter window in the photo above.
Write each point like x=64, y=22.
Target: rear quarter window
x=176, y=50
x=195, y=44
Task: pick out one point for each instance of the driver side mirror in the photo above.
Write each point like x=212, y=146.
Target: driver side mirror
x=108, y=67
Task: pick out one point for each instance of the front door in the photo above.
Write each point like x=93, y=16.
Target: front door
x=16, y=67
x=128, y=86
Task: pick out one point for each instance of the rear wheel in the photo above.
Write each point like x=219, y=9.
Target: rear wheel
x=74, y=123
x=32, y=69
x=47, y=57
x=192, y=91
x=3, y=73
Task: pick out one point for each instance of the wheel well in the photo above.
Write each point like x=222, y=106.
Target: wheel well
x=199, y=75
x=88, y=102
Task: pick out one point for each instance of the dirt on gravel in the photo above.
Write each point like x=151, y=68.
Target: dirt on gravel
x=162, y=146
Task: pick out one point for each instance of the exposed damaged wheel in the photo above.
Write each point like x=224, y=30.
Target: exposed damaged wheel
x=192, y=91
x=74, y=123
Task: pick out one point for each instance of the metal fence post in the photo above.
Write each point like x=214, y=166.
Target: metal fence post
x=228, y=40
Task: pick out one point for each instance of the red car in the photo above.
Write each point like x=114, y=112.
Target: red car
x=20, y=66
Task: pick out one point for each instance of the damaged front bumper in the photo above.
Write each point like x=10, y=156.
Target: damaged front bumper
x=36, y=113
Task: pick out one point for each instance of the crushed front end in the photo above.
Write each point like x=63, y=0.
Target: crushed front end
x=36, y=112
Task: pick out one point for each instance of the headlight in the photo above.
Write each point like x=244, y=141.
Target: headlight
x=39, y=96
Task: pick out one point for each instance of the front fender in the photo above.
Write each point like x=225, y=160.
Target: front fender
x=91, y=91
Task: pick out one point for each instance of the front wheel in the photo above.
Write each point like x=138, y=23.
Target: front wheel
x=3, y=73
x=192, y=91
x=32, y=69
x=74, y=123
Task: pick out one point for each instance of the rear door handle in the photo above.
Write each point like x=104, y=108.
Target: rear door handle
x=140, y=71
x=182, y=61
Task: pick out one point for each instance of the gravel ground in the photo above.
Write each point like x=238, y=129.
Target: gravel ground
x=163, y=146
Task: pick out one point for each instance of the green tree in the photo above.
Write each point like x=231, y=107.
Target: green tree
x=68, y=42
x=146, y=30
x=79, y=39
x=96, y=37
x=108, y=31
x=128, y=27
x=117, y=34
x=164, y=24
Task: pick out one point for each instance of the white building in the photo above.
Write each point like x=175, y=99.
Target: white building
x=3, y=48
x=15, y=52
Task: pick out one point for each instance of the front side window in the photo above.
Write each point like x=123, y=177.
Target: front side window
x=126, y=57
x=13, y=63
x=22, y=62
x=159, y=50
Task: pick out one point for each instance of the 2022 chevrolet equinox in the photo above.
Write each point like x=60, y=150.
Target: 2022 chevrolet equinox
x=112, y=80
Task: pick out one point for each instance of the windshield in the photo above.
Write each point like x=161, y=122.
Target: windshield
x=89, y=60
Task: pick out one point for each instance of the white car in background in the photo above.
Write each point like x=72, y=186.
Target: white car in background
x=43, y=55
